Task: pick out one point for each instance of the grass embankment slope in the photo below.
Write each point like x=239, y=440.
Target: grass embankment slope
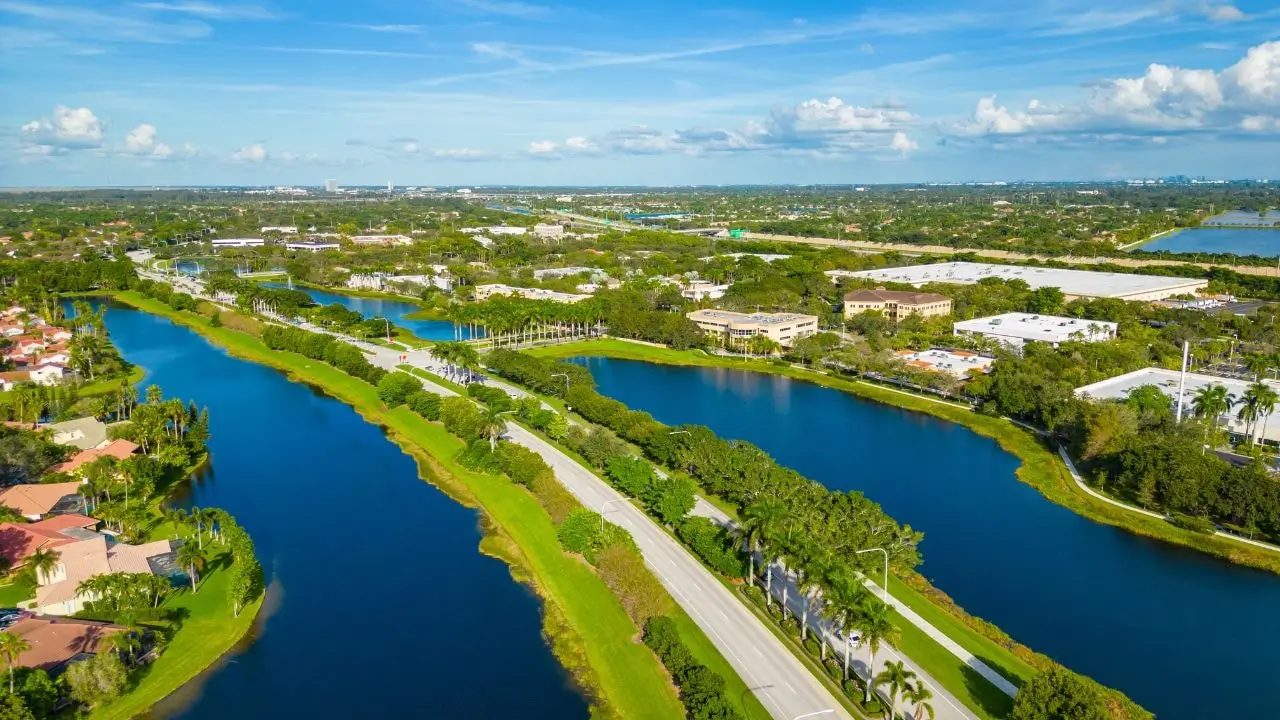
x=1041, y=467
x=590, y=632
x=207, y=633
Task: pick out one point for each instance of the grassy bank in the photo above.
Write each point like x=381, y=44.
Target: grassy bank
x=1041, y=467
x=589, y=631
x=111, y=385
x=206, y=634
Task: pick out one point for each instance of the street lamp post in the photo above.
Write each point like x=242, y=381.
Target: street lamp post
x=884, y=589
x=567, y=407
x=603, y=509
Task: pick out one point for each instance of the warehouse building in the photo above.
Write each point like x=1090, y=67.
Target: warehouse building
x=1014, y=329
x=1073, y=283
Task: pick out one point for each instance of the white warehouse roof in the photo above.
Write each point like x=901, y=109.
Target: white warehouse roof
x=1073, y=283
x=1047, y=328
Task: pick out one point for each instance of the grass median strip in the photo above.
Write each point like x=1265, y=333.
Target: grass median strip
x=624, y=675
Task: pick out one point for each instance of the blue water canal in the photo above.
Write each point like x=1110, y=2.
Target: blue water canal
x=393, y=310
x=380, y=604
x=1183, y=634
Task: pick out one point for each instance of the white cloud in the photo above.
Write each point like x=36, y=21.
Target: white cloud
x=410, y=148
x=190, y=150
x=543, y=147
x=461, y=154
x=1224, y=13
x=67, y=129
x=578, y=143
x=212, y=11
x=251, y=153
x=1260, y=123
x=867, y=49
x=834, y=116
x=142, y=141
x=1165, y=99
x=903, y=144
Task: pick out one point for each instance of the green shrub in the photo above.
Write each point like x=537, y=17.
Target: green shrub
x=461, y=417
x=521, y=464
x=717, y=548
x=491, y=396
x=701, y=689
x=477, y=456
x=557, y=501
x=424, y=403
x=622, y=569
x=394, y=388
x=1193, y=523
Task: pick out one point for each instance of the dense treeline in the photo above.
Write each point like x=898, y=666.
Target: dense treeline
x=344, y=356
x=736, y=471
x=701, y=688
x=34, y=278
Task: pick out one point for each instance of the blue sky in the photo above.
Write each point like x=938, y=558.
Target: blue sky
x=439, y=92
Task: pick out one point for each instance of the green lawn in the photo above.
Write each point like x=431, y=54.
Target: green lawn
x=207, y=633
x=626, y=676
x=12, y=593
x=111, y=385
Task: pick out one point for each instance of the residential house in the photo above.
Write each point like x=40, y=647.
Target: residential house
x=56, y=642
x=82, y=433
x=60, y=592
x=19, y=540
x=118, y=449
x=36, y=500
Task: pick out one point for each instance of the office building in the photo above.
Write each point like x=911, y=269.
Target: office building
x=484, y=292
x=736, y=327
x=237, y=242
x=896, y=304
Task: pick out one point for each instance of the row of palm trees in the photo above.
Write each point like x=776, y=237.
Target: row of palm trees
x=1254, y=407
x=461, y=359
x=829, y=586
x=508, y=320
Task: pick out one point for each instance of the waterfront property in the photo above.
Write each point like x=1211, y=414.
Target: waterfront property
x=117, y=449
x=596, y=274
x=1073, y=283
x=18, y=541
x=82, y=433
x=1119, y=387
x=736, y=327
x=63, y=591
x=896, y=304
x=55, y=642
x=1016, y=328
x=381, y=239
x=484, y=292
x=36, y=500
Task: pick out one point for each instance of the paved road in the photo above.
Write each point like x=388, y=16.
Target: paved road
x=785, y=687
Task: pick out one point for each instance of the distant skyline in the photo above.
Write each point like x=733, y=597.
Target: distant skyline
x=522, y=92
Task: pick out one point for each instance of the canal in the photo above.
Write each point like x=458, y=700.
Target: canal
x=393, y=310
x=1183, y=634
x=381, y=604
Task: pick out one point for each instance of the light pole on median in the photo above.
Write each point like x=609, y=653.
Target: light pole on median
x=884, y=589
x=567, y=407
x=604, y=508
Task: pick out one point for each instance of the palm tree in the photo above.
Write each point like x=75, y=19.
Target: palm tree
x=920, y=695
x=762, y=522
x=1209, y=403
x=1258, y=365
x=43, y=562
x=848, y=600
x=11, y=646
x=877, y=627
x=124, y=643
x=898, y=678
x=492, y=426
x=191, y=558
x=1266, y=397
x=1248, y=412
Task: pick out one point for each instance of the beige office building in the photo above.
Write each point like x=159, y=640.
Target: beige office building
x=896, y=304
x=782, y=328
